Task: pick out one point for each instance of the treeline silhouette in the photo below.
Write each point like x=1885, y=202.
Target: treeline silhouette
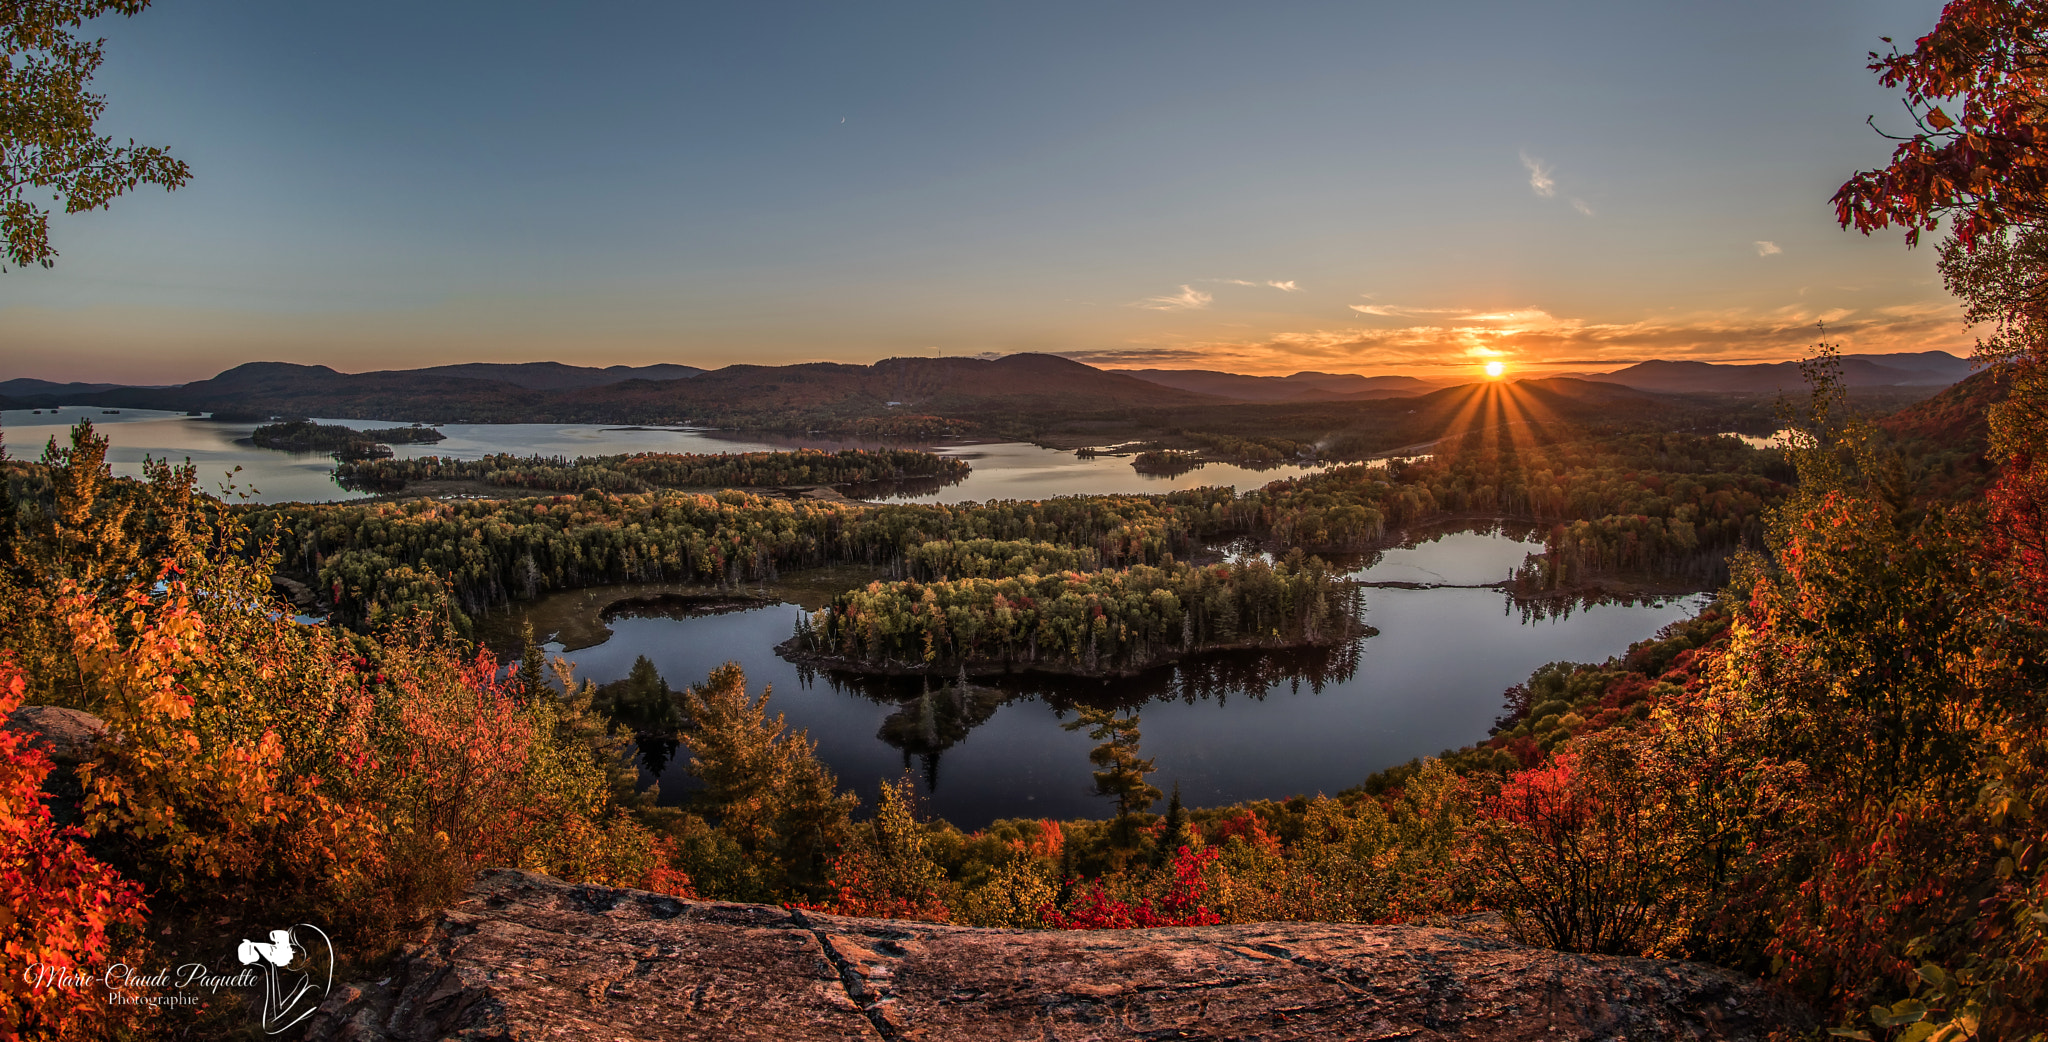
x=647, y=471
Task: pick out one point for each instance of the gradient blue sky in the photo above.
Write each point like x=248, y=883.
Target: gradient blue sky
x=1354, y=187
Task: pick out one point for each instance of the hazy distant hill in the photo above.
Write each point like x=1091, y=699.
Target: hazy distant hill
x=22, y=387
x=791, y=395
x=1018, y=396
x=1917, y=369
x=286, y=388
x=957, y=387
x=1956, y=416
x=555, y=376
x=1303, y=386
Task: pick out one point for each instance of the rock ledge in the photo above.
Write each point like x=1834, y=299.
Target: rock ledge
x=529, y=957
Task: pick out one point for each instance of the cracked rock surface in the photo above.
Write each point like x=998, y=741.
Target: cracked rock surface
x=530, y=957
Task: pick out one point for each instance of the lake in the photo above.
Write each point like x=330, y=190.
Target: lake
x=1001, y=470
x=1226, y=728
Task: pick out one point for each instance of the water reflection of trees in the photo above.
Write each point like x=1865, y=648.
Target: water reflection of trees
x=656, y=750
x=1349, y=562
x=1558, y=607
x=901, y=488
x=930, y=719
x=676, y=606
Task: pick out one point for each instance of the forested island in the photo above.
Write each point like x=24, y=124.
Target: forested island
x=1165, y=461
x=346, y=443
x=646, y=471
x=1095, y=624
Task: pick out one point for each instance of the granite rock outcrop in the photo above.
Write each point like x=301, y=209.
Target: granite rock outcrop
x=529, y=957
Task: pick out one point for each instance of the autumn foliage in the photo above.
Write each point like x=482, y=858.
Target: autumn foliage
x=61, y=910
x=258, y=769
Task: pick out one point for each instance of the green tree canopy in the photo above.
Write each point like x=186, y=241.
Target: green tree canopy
x=49, y=139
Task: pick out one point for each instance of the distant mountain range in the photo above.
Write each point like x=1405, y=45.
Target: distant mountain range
x=735, y=395
x=554, y=376
x=23, y=387
x=1301, y=387
x=1918, y=369
x=1020, y=390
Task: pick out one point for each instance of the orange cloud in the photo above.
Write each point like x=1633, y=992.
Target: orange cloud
x=1535, y=337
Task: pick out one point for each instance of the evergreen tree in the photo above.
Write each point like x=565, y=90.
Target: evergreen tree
x=1122, y=773
x=642, y=701
x=1174, y=834
x=533, y=668
x=763, y=787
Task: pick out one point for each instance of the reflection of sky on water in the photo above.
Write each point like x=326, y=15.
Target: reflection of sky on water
x=1014, y=470
x=1452, y=559
x=1781, y=439
x=1001, y=471
x=1431, y=680
x=275, y=477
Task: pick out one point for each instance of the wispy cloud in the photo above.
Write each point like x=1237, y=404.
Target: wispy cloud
x=1188, y=299
x=1540, y=180
x=1284, y=287
x=1544, y=184
x=1401, y=310
x=1765, y=248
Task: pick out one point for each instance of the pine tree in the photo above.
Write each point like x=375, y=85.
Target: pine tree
x=1174, y=834
x=533, y=669
x=764, y=788
x=1123, y=773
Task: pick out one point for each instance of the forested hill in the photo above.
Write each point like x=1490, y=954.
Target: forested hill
x=1015, y=395
x=1043, y=398
x=1910, y=369
x=799, y=396
x=1300, y=387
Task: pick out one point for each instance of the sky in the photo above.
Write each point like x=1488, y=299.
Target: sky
x=1369, y=187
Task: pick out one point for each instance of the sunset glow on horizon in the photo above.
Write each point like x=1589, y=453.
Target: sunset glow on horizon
x=1326, y=188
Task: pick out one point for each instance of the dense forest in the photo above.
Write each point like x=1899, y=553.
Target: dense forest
x=647, y=471
x=1671, y=504
x=1114, y=621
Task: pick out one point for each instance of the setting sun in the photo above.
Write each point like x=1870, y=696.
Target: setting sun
x=1494, y=369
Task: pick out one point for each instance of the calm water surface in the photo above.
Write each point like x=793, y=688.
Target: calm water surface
x=1226, y=729
x=1001, y=470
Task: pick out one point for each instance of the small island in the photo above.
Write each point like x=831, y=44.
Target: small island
x=1114, y=622
x=345, y=443
x=1166, y=462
